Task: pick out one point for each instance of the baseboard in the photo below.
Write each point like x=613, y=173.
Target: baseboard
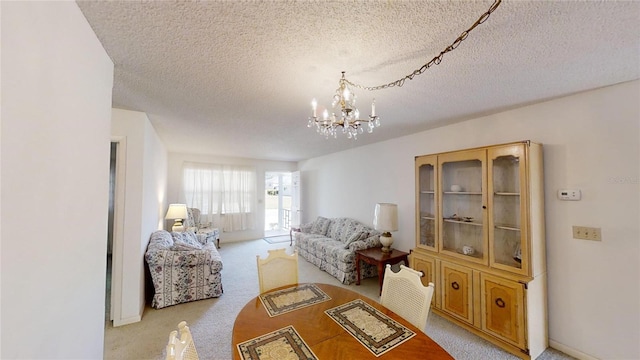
x=127, y=321
x=570, y=351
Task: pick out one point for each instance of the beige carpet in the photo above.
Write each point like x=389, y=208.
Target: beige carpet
x=211, y=320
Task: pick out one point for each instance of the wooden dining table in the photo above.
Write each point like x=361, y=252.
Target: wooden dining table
x=324, y=336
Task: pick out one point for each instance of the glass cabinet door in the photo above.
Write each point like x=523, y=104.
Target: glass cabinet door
x=507, y=229
x=426, y=202
x=463, y=214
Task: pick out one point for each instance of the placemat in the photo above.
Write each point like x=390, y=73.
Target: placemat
x=373, y=329
x=284, y=343
x=290, y=299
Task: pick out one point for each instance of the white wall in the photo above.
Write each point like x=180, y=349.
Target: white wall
x=56, y=113
x=144, y=204
x=176, y=195
x=591, y=142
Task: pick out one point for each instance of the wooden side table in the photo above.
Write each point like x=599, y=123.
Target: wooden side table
x=375, y=256
x=291, y=230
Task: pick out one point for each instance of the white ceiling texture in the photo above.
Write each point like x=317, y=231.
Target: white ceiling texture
x=236, y=78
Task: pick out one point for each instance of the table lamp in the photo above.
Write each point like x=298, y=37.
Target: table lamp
x=386, y=220
x=177, y=212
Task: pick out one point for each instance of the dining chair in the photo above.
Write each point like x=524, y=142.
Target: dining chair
x=404, y=294
x=183, y=347
x=278, y=269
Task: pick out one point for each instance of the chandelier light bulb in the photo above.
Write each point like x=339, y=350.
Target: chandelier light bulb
x=344, y=101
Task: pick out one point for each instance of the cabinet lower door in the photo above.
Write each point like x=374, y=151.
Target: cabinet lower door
x=503, y=309
x=457, y=291
x=427, y=265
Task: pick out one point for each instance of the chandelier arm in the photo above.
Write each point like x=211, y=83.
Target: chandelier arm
x=436, y=60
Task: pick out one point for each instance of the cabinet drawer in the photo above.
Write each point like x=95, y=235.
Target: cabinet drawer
x=427, y=265
x=503, y=309
x=457, y=291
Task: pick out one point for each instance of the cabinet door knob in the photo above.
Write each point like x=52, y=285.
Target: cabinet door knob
x=455, y=285
x=484, y=206
x=500, y=303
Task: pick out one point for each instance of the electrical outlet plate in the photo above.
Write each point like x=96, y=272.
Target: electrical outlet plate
x=587, y=233
x=569, y=194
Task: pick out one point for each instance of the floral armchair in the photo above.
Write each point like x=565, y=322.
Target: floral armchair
x=204, y=231
x=182, y=268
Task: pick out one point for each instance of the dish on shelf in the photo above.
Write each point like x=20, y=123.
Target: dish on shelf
x=455, y=217
x=474, y=254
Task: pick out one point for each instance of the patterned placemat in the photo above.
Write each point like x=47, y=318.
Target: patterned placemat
x=284, y=343
x=373, y=329
x=286, y=300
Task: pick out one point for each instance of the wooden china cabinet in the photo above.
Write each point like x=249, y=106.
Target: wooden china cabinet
x=480, y=240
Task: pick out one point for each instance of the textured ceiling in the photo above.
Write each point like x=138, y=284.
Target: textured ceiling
x=237, y=78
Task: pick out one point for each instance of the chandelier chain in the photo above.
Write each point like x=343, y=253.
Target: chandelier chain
x=436, y=60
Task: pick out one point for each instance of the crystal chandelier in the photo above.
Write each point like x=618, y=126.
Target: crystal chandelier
x=348, y=118
x=345, y=100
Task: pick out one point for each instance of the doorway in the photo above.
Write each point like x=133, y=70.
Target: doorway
x=115, y=231
x=277, y=204
x=112, y=192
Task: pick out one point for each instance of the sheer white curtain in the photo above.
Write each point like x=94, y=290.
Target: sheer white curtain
x=225, y=194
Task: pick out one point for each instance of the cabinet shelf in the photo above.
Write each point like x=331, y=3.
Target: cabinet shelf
x=427, y=217
x=462, y=222
x=462, y=192
x=427, y=192
x=502, y=193
x=507, y=227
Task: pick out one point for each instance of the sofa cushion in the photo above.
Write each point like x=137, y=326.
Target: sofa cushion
x=160, y=239
x=315, y=244
x=180, y=245
x=306, y=228
x=360, y=232
x=351, y=230
x=191, y=238
x=320, y=226
x=347, y=230
x=372, y=241
x=336, y=227
x=302, y=239
x=185, y=241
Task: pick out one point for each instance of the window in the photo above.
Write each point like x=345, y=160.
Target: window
x=225, y=194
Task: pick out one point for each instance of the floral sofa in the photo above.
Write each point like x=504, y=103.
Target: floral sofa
x=331, y=245
x=182, y=268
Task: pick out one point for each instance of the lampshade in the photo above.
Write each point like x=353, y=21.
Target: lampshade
x=386, y=217
x=177, y=211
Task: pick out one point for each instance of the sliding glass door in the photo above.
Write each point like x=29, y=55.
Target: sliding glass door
x=277, y=204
